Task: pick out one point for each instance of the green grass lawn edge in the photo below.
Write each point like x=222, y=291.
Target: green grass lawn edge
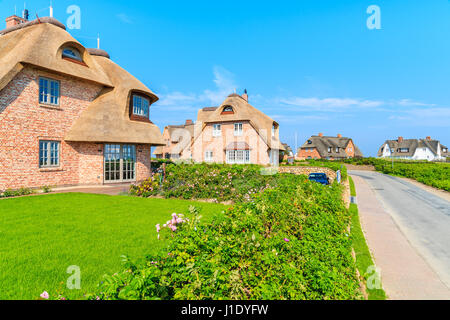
x=363, y=256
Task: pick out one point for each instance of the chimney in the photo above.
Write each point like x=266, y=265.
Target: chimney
x=245, y=95
x=14, y=21
x=429, y=138
x=188, y=122
x=339, y=135
x=25, y=14
x=400, y=139
x=321, y=134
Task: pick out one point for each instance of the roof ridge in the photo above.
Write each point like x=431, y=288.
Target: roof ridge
x=30, y=23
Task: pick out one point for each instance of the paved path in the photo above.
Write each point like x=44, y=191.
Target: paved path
x=110, y=189
x=408, y=231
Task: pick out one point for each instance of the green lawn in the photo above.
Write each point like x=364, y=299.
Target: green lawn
x=41, y=236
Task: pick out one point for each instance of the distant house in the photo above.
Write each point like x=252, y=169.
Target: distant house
x=233, y=133
x=414, y=149
x=332, y=148
x=178, y=144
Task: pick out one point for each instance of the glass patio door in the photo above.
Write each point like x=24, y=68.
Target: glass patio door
x=119, y=163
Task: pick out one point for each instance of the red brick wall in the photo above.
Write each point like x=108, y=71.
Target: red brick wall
x=306, y=154
x=350, y=149
x=143, y=164
x=23, y=122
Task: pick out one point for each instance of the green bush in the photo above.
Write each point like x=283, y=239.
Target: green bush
x=17, y=193
x=207, y=181
x=433, y=174
x=290, y=242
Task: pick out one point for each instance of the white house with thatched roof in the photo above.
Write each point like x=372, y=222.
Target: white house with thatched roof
x=414, y=149
x=68, y=114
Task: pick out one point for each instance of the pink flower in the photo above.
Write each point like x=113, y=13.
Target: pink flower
x=286, y=239
x=158, y=228
x=45, y=295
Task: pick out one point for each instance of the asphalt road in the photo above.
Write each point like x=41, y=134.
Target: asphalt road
x=422, y=217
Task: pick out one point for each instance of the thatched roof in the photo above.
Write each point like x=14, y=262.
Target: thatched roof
x=243, y=111
x=322, y=143
x=175, y=133
x=412, y=145
x=40, y=44
x=107, y=118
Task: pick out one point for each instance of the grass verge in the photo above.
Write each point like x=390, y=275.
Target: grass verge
x=41, y=236
x=363, y=256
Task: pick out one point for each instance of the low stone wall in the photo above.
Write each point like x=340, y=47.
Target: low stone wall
x=307, y=170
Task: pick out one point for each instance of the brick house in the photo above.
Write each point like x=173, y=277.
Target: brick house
x=68, y=114
x=331, y=148
x=414, y=149
x=233, y=133
x=177, y=143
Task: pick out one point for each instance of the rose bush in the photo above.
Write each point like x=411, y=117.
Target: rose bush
x=207, y=181
x=288, y=242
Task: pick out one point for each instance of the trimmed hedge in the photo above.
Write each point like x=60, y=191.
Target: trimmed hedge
x=206, y=181
x=288, y=242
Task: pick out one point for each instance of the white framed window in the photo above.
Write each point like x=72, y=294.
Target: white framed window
x=217, y=130
x=350, y=149
x=228, y=109
x=49, y=153
x=238, y=129
x=49, y=91
x=329, y=149
x=209, y=156
x=72, y=53
x=274, y=130
x=337, y=149
x=238, y=156
x=140, y=106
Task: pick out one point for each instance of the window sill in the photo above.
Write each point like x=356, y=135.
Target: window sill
x=50, y=169
x=50, y=106
x=134, y=117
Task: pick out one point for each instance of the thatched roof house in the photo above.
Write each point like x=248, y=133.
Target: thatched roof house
x=234, y=132
x=328, y=147
x=414, y=149
x=55, y=93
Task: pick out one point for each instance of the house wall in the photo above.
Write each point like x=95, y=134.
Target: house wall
x=350, y=150
x=206, y=142
x=143, y=162
x=305, y=153
x=23, y=122
x=424, y=154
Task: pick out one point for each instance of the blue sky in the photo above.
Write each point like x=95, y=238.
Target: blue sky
x=313, y=66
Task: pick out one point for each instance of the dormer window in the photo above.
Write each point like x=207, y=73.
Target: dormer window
x=274, y=130
x=227, y=110
x=141, y=106
x=72, y=53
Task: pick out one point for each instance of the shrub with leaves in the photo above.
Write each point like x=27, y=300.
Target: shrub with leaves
x=207, y=181
x=290, y=242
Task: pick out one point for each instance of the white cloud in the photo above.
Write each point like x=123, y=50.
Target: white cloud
x=423, y=117
x=124, y=18
x=224, y=85
x=410, y=103
x=329, y=104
